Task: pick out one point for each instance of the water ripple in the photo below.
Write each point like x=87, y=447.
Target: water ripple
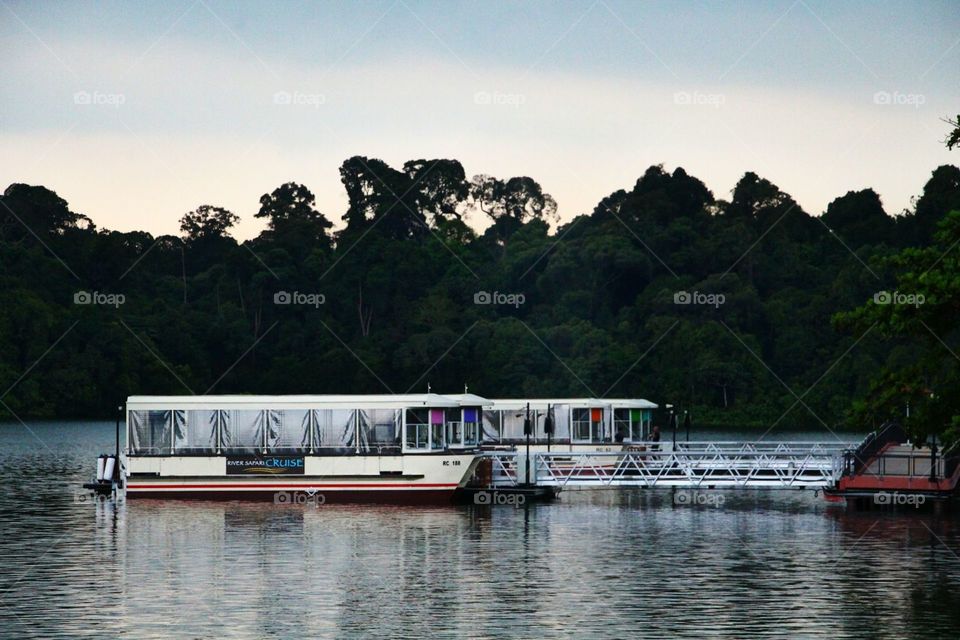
x=597, y=564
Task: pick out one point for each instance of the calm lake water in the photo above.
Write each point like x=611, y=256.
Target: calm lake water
x=595, y=565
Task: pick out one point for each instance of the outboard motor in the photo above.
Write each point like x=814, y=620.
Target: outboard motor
x=110, y=464
x=106, y=467
x=109, y=469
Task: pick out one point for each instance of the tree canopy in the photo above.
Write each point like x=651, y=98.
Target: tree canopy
x=663, y=291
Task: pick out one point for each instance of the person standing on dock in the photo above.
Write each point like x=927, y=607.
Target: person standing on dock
x=655, y=438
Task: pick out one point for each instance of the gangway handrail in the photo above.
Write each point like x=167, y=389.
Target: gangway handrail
x=762, y=443
x=856, y=461
x=677, y=468
x=764, y=446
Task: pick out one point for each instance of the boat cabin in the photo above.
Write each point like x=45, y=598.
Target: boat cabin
x=312, y=425
x=576, y=421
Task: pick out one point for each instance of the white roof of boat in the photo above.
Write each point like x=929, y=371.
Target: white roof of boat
x=541, y=403
x=469, y=399
x=398, y=401
x=630, y=403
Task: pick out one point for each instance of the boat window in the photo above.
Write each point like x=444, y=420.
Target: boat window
x=454, y=427
x=417, y=435
x=436, y=428
x=561, y=422
x=198, y=432
x=334, y=430
x=588, y=425
x=512, y=424
x=288, y=431
x=491, y=426
x=471, y=426
x=151, y=432
x=637, y=420
x=622, y=425
x=598, y=426
x=379, y=429
x=243, y=430
x=581, y=425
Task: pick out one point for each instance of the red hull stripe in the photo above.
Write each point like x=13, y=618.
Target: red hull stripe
x=241, y=486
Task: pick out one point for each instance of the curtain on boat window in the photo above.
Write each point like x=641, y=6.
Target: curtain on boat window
x=151, y=432
x=379, y=428
x=288, y=430
x=491, y=426
x=561, y=421
x=335, y=429
x=512, y=427
x=226, y=434
x=242, y=430
x=196, y=431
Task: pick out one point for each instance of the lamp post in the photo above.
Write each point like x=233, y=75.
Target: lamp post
x=673, y=424
x=117, y=475
x=548, y=426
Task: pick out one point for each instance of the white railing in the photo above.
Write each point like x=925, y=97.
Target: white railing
x=690, y=465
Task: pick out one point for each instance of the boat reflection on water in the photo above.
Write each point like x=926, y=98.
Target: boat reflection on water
x=757, y=562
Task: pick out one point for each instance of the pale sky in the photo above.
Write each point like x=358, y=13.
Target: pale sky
x=137, y=114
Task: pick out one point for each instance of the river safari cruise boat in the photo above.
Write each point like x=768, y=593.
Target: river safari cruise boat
x=579, y=424
x=368, y=448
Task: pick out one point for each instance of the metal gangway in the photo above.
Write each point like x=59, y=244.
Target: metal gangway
x=688, y=465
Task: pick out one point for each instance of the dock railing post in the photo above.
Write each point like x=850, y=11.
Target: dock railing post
x=933, y=459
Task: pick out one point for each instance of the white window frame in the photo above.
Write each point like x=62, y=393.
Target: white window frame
x=628, y=437
x=477, y=427
x=574, y=430
x=419, y=427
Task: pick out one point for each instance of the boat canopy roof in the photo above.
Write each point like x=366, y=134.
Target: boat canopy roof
x=373, y=401
x=510, y=404
x=469, y=399
x=629, y=403
x=399, y=401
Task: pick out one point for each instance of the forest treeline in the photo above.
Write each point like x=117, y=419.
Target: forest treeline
x=724, y=307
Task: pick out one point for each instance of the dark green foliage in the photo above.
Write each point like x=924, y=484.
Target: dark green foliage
x=408, y=294
x=918, y=317
x=953, y=138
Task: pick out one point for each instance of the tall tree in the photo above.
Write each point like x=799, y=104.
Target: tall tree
x=440, y=188
x=941, y=194
x=380, y=195
x=512, y=203
x=293, y=218
x=859, y=215
x=26, y=210
x=207, y=222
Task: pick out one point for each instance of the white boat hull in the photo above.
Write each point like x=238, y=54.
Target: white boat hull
x=410, y=478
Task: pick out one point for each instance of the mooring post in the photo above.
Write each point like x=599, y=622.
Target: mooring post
x=527, y=428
